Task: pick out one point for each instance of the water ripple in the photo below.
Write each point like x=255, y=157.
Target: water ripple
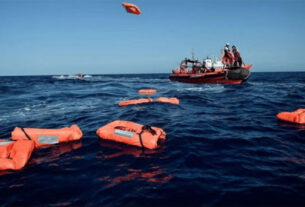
x=224, y=145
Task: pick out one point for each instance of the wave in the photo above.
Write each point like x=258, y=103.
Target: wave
x=222, y=141
x=207, y=88
x=112, y=78
x=71, y=77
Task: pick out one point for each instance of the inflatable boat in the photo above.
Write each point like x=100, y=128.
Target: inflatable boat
x=192, y=71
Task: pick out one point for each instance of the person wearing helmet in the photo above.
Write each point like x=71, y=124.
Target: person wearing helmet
x=237, y=58
x=228, y=57
x=227, y=47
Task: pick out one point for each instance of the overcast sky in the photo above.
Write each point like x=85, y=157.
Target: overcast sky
x=41, y=37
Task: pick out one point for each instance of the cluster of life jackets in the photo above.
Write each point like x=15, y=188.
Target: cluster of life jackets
x=15, y=152
x=148, y=100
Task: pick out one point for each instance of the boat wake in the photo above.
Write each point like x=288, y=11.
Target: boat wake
x=70, y=77
x=206, y=88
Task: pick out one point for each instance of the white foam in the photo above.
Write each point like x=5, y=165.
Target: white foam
x=59, y=77
x=195, y=89
x=206, y=88
x=27, y=109
x=71, y=77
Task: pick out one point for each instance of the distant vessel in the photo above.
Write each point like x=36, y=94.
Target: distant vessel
x=80, y=75
x=209, y=71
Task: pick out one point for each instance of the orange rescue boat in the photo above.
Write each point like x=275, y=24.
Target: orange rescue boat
x=192, y=71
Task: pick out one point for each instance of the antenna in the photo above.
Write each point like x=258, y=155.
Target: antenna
x=193, y=54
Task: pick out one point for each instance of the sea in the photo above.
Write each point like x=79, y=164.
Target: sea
x=224, y=144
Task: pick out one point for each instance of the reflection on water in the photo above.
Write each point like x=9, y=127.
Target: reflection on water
x=154, y=173
x=293, y=125
x=224, y=144
x=52, y=153
x=49, y=154
x=122, y=149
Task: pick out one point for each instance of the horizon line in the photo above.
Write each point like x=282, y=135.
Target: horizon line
x=96, y=74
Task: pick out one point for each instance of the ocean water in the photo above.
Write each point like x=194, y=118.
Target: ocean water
x=224, y=144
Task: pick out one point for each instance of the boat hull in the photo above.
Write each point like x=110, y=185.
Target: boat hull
x=219, y=76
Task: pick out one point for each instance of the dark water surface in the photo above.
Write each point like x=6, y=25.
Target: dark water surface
x=224, y=145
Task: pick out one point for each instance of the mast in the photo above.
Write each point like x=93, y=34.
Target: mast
x=193, y=54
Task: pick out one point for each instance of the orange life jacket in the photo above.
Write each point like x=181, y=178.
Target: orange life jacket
x=47, y=136
x=132, y=134
x=147, y=91
x=168, y=100
x=228, y=58
x=15, y=154
x=297, y=116
x=236, y=55
x=135, y=101
x=131, y=8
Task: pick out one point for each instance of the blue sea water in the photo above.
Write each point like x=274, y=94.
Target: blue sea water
x=224, y=144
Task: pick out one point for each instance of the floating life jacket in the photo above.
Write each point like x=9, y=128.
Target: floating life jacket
x=135, y=101
x=147, y=91
x=168, y=100
x=132, y=134
x=297, y=116
x=47, y=136
x=15, y=154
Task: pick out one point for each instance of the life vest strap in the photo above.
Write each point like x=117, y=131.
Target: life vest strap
x=147, y=128
x=26, y=134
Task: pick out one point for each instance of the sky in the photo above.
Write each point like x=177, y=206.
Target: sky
x=48, y=37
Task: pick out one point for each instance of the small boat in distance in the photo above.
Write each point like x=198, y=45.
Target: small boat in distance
x=80, y=75
x=209, y=71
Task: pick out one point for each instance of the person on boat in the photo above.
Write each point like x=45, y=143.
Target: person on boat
x=237, y=58
x=196, y=66
x=228, y=57
x=227, y=47
x=183, y=65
